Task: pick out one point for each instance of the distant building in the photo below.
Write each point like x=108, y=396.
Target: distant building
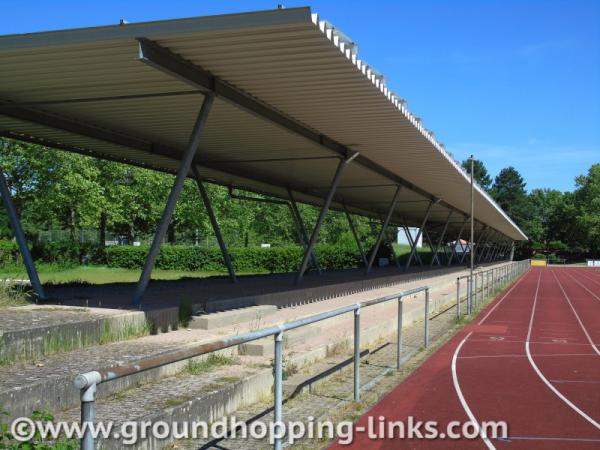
x=413, y=233
x=461, y=246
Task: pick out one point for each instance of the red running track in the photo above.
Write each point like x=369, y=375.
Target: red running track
x=531, y=359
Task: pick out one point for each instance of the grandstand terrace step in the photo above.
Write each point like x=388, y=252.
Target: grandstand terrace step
x=33, y=332
x=265, y=346
x=254, y=314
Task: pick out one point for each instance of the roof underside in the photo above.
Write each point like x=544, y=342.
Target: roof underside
x=301, y=100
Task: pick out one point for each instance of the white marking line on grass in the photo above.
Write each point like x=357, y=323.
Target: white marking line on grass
x=582, y=285
x=587, y=335
x=461, y=397
x=539, y=372
x=503, y=297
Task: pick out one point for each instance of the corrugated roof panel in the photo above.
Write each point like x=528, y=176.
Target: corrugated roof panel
x=290, y=61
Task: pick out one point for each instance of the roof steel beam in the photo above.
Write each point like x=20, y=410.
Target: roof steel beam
x=165, y=60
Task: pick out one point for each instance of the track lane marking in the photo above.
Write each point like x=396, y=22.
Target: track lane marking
x=461, y=397
x=587, y=335
x=544, y=438
x=492, y=309
x=539, y=372
x=524, y=356
x=581, y=284
x=589, y=278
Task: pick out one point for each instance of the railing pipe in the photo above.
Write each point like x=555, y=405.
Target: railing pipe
x=278, y=394
x=426, y=338
x=357, y=354
x=399, y=334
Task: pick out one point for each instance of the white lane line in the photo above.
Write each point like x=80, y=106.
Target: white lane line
x=587, y=335
x=582, y=285
x=539, y=372
x=575, y=381
x=461, y=397
x=589, y=278
x=543, y=438
x=537, y=355
x=503, y=297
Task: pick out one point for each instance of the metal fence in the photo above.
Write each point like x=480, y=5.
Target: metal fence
x=88, y=382
x=485, y=283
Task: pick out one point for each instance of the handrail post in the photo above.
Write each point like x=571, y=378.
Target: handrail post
x=399, y=334
x=469, y=288
x=357, y=354
x=475, y=291
x=87, y=388
x=458, y=297
x=426, y=337
x=482, y=288
x=278, y=394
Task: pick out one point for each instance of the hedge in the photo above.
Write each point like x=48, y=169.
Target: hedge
x=183, y=257
x=9, y=253
x=247, y=259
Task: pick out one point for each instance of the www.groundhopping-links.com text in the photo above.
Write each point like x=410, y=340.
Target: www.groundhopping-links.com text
x=24, y=428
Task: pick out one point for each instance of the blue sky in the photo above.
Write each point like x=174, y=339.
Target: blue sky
x=513, y=82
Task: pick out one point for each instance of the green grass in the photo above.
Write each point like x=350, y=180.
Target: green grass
x=12, y=295
x=212, y=361
x=52, y=274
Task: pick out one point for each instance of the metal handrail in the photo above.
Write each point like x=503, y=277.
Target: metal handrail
x=88, y=382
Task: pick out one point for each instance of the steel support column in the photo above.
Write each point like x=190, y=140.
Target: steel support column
x=440, y=240
x=457, y=241
x=482, y=242
x=384, y=226
x=182, y=173
x=486, y=257
x=303, y=235
x=412, y=251
x=355, y=234
x=466, y=250
x=412, y=243
x=393, y=251
x=215, y=224
x=428, y=240
x=15, y=224
x=313, y=237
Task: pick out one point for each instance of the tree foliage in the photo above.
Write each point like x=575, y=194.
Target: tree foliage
x=58, y=190
x=480, y=173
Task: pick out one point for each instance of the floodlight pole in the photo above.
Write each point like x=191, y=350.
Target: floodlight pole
x=182, y=173
x=20, y=237
x=471, y=248
x=215, y=224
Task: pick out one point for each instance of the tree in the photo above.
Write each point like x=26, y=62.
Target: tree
x=546, y=218
x=587, y=202
x=509, y=192
x=480, y=173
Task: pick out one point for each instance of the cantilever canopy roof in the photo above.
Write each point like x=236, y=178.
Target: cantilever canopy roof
x=292, y=97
